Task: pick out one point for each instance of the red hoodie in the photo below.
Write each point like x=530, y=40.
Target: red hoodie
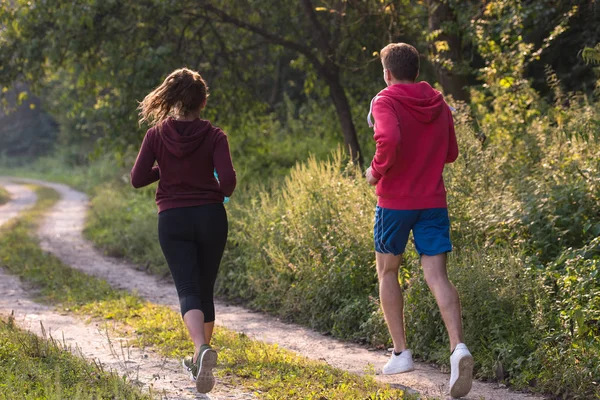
x=415, y=137
x=187, y=153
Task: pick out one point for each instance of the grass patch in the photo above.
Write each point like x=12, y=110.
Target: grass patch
x=123, y=222
x=269, y=371
x=81, y=174
x=32, y=367
x=4, y=196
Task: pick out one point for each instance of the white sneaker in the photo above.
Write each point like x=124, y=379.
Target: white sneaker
x=461, y=371
x=399, y=363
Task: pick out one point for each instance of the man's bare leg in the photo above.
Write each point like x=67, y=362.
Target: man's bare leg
x=446, y=296
x=390, y=295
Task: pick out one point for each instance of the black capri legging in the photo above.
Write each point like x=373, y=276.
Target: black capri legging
x=193, y=240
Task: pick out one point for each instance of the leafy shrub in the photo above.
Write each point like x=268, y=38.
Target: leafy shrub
x=305, y=252
x=4, y=196
x=497, y=299
x=570, y=316
x=267, y=146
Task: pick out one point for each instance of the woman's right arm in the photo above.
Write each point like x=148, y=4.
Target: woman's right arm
x=224, y=166
x=144, y=172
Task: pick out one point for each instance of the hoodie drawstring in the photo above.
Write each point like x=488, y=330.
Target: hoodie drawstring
x=369, y=121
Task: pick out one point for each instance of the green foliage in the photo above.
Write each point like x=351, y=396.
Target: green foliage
x=306, y=232
x=91, y=80
x=26, y=130
x=591, y=55
x=267, y=146
x=69, y=166
x=252, y=55
x=4, y=196
x=33, y=367
x=124, y=223
x=571, y=310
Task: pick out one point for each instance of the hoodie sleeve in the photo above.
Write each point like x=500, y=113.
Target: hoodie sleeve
x=144, y=172
x=224, y=166
x=387, y=137
x=452, y=145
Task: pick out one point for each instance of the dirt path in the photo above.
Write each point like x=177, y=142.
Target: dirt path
x=21, y=199
x=61, y=234
x=93, y=340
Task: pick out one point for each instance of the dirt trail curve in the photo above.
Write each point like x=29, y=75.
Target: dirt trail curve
x=61, y=234
x=21, y=199
x=143, y=366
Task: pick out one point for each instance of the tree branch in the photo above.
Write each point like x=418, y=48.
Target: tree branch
x=271, y=37
x=322, y=37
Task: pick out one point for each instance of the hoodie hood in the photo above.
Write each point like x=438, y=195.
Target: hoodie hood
x=181, y=143
x=422, y=101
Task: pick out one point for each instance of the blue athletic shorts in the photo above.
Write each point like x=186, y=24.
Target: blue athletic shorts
x=431, y=230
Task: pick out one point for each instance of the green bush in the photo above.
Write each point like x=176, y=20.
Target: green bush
x=4, y=196
x=561, y=199
x=570, y=316
x=496, y=293
x=304, y=252
x=267, y=147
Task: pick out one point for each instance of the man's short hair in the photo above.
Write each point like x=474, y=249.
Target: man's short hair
x=402, y=60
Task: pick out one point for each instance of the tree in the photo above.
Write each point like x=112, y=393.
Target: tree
x=447, y=49
x=332, y=37
x=92, y=61
x=102, y=56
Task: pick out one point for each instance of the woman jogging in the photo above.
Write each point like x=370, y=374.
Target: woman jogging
x=192, y=222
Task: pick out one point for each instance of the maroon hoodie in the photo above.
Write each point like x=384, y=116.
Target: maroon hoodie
x=187, y=153
x=415, y=138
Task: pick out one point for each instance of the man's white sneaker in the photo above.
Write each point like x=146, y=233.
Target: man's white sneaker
x=461, y=371
x=399, y=363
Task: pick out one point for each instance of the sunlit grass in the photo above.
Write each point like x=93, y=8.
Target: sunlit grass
x=4, y=196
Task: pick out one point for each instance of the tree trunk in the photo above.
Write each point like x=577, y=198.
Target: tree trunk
x=453, y=81
x=331, y=76
x=276, y=84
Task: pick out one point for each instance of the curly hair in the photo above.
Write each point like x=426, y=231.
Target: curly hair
x=183, y=92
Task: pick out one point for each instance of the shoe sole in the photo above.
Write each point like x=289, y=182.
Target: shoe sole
x=463, y=384
x=205, y=380
x=394, y=372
